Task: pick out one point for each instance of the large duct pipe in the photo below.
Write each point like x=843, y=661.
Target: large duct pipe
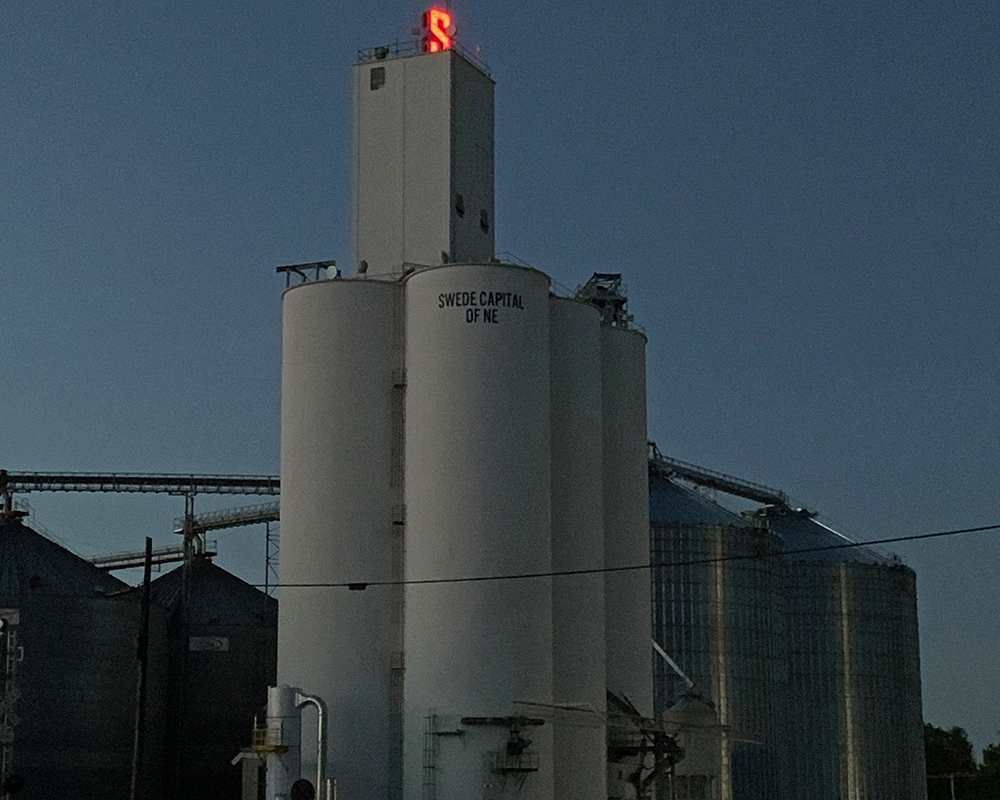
x=305, y=699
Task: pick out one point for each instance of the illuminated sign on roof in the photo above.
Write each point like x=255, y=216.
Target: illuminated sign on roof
x=438, y=31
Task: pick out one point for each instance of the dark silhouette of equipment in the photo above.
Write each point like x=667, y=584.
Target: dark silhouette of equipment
x=302, y=789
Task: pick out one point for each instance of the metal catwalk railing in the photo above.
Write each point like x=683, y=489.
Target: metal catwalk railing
x=229, y=518
x=716, y=480
x=24, y=482
x=160, y=555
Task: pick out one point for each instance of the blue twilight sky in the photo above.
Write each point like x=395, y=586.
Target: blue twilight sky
x=804, y=198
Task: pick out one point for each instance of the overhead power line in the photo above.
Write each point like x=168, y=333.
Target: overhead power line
x=361, y=585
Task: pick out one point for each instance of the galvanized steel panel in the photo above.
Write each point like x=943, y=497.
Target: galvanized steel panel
x=717, y=611
x=856, y=727
x=224, y=657
x=78, y=675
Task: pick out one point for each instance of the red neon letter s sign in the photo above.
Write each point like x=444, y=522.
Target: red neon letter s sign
x=437, y=23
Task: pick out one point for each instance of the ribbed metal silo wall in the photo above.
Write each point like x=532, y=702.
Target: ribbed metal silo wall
x=78, y=695
x=886, y=673
x=718, y=612
x=340, y=445
x=755, y=630
x=626, y=516
x=158, y=769
x=855, y=715
x=224, y=652
x=477, y=504
x=578, y=677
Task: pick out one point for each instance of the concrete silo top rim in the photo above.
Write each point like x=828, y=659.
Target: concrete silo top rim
x=356, y=280
x=636, y=331
x=422, y=270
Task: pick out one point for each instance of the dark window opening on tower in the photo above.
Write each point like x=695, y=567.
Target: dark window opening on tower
x=377, y=78
x=459, y=205
x=484, y=220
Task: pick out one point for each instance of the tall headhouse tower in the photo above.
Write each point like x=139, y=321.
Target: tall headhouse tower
x=463, y=453
x=423, y=161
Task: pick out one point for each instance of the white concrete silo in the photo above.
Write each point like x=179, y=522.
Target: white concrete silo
x=341, y=438
x=578, y=678
x=626, y=516
x=444, y=423
x=477, y=504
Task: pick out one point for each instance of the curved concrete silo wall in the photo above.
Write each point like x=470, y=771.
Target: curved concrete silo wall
x=477, y=504
x=626, y=516
x=578, y=654
x=339, y=498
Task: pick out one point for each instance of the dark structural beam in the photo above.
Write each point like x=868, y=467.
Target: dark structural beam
x=24, y=482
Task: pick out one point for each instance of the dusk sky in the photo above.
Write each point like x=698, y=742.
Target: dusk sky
x=804, y=199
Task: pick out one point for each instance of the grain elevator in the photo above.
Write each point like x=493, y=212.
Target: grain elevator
x=452, y=434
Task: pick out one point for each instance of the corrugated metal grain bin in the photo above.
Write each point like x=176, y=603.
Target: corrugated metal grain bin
x=78, y=627
x=223, y=658
x=856, y=728
x=718, y=613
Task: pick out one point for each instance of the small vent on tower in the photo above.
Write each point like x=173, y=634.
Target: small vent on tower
x=459, y=205
x=377, y=78
x=484, y=220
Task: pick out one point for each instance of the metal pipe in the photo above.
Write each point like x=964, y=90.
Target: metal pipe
x=139, y=742
x=306, y=699
x=673, y=664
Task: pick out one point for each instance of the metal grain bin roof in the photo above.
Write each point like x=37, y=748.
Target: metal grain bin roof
x=217, y=596
x=800, y=530
x=216, y=689
x=32, y=564
x=670, y=502
x=76, y=630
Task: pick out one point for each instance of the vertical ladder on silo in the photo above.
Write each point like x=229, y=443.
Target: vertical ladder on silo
x=430, y=756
